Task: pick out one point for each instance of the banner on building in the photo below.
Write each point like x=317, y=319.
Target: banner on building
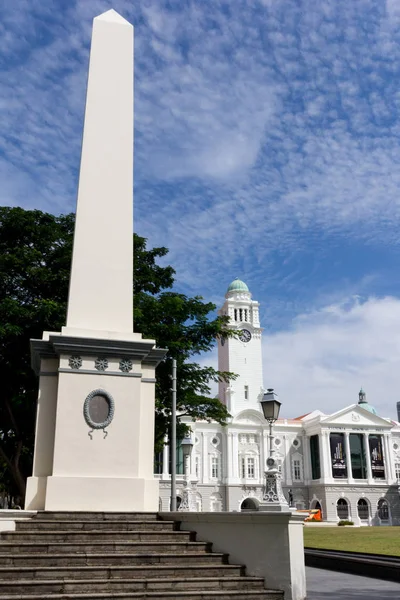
x=376, y=454
x=338, y=455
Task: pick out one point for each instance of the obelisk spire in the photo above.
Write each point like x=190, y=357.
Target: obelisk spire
x=100, y=295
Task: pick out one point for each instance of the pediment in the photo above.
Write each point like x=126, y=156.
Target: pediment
x=249, y=417
x=354, y=416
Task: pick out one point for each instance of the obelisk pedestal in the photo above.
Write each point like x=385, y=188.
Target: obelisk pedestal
x=94, y=442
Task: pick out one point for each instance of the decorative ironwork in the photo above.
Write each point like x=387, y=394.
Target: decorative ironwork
x=101, y=364
x=189, y=494
x=125, y=365
x=273, y=493
x=75, y=362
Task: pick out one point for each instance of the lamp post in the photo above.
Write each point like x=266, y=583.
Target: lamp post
x=273, y=498
x=187, y=447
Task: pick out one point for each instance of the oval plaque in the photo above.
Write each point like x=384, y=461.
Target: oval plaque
x=98, y=410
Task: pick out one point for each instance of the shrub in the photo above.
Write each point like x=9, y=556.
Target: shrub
x=343, y=523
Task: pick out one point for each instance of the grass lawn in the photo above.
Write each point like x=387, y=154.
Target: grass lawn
x=376, y=540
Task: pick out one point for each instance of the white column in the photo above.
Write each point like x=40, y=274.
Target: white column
x=205, y=457
x=100, y=293
x=348, y=457
x=229, y=457
x=388, y=459
x=235, y=455
x=261, y=464
x=326, y=461
x=266, y=448
x=368, y=457
x=287, y=465
x=165, y=470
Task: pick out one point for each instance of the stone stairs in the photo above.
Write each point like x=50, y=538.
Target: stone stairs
x=61, y=555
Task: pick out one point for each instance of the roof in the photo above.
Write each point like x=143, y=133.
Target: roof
x=237, y=285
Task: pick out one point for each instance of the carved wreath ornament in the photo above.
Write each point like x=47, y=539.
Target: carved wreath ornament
x=98, y=411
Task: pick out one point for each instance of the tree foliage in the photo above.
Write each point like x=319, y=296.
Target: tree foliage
x=35, y=258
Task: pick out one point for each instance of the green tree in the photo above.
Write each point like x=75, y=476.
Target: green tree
x=35, y=258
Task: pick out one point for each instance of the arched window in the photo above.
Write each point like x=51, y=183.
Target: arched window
x=342, y=509
x=383, y=510
x=363, y=509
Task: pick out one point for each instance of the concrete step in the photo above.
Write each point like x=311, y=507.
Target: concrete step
x=160, y=595
x=75, y=586
x=94, y=525
x=93, y=536
x=116, y=572
x=109, y=559
x=72, y=536
x=145, y=547
x=101, y=516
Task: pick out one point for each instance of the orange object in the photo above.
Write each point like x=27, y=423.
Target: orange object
x=315, y=515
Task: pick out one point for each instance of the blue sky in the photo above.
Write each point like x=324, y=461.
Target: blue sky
x=266, y=148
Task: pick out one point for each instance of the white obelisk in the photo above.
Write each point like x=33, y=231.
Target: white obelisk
x=100, y=296
x=94, y=440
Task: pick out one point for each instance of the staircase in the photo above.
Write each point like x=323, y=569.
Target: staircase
x=59, y=555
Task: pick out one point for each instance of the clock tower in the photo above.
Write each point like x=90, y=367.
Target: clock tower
x=241, y=355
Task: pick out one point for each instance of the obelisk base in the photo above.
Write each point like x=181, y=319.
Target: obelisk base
x=109, y=494
x=94, y=445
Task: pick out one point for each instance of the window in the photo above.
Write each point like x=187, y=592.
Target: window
x=158, y=463
x=363, y=509
x=197, y=465
x=214, y=467
x=246, y=392
x=236, y=314
x=358, y=458
x=297, y=470
x=247, y=467
x=315, y=460
x=342, y=509
x=397, y=471
x=250, y=468
x=383, y=510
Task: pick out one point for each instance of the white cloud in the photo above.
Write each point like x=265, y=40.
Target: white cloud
x=326, y=355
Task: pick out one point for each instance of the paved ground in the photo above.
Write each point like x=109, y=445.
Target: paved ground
x=332, y=585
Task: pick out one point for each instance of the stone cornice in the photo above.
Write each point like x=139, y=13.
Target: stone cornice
x=142, y=350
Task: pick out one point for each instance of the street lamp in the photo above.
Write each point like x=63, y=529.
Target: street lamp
x=187, y=447
x=273, y=498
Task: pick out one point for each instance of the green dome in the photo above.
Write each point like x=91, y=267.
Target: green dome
x=237, y=286
x=367, y=406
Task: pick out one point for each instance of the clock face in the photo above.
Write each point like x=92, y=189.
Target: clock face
x=245, y=335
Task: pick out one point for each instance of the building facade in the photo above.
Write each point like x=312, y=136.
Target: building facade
x=346, y=463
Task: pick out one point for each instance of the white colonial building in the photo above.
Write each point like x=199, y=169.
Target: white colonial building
x=346, y=463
